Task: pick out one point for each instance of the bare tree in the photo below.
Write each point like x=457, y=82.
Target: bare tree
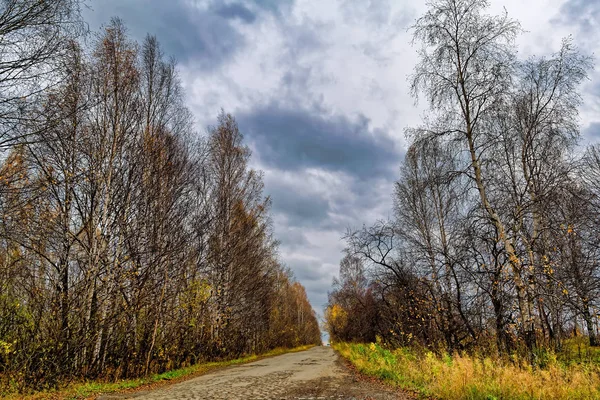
x=35, y=36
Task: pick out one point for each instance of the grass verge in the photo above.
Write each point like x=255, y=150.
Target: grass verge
x=453, y=377
x=90, y=390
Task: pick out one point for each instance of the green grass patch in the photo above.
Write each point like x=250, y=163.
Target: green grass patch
x=86, y=390
x=473, y=377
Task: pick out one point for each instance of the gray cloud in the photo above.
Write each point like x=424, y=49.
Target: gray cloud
x=274, y=6
x=592, y=131
x=188, y=33
x=293, y=139
x=377, y=13
x=327, y=168
x=584, y=13
x=291, y=238
x=581, y=18
x=300, y=206
x=310, y=270
x=202, y=33
x=317, y=293
x=235, y=10
x=315, y=278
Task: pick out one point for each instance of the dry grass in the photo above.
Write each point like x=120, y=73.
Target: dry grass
x=478, y=378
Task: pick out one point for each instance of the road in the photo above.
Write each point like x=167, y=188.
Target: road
x=313, y=374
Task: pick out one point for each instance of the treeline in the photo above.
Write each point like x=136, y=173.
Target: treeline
x=129, y=244
x=494, y=242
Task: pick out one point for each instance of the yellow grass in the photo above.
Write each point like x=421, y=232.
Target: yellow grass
x=471, y=377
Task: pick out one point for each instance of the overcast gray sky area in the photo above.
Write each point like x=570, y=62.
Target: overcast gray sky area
x=319, y=88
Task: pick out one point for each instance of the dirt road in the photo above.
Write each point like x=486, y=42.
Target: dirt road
x=313, y=374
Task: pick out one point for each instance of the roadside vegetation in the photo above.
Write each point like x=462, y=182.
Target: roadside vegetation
x=130, y=243
x=485, y=283
x=472, y=376
x=85, y=390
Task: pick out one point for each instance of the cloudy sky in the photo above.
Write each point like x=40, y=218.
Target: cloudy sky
x=319, y=88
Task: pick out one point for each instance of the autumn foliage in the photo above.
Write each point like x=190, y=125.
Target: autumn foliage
x=130, y=244
x=493, y=244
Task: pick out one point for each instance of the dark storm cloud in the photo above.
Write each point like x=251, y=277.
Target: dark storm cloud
x=297, y=203
x=186, y=32
x=294, y=139
x=200, y=33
